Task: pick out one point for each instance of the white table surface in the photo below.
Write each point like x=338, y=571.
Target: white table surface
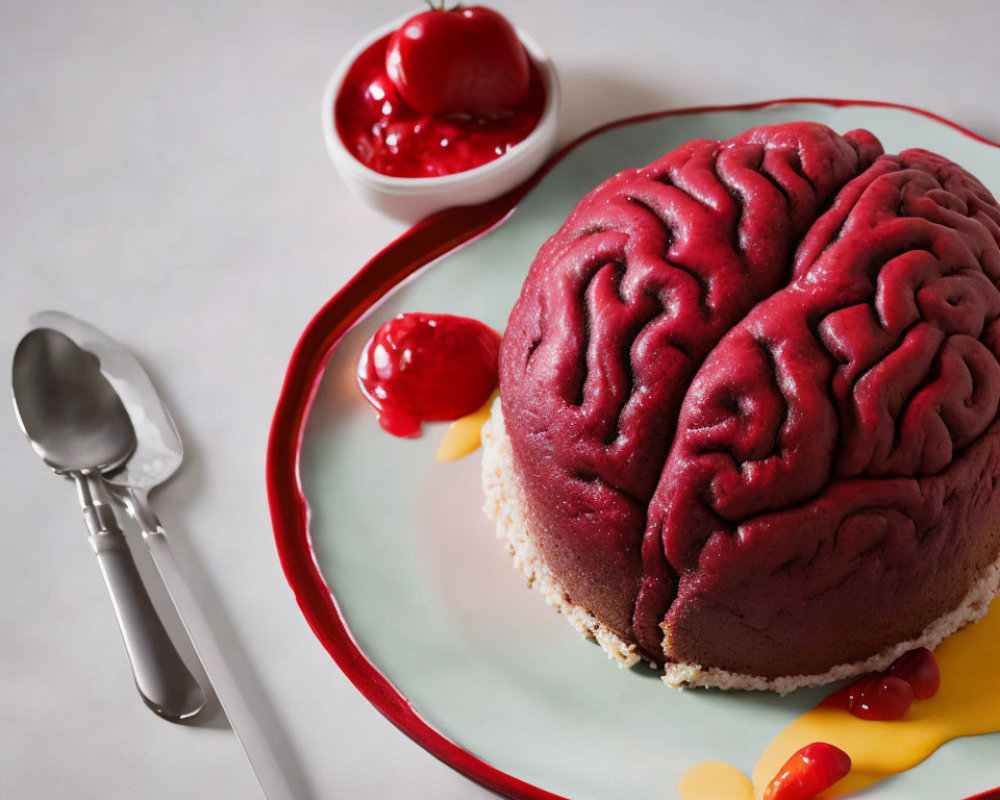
x=163, y=175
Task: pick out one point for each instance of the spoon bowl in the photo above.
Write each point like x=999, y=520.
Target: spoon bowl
x=72, y=416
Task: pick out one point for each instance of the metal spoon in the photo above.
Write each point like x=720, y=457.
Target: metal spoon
x=76, y=422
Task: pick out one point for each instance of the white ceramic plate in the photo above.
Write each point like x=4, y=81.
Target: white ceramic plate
x=402, y=577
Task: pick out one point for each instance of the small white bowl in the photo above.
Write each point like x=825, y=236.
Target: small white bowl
x=412, y=199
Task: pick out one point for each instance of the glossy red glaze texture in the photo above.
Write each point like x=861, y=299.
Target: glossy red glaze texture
x=385, y=134
x=808, y=772
x=749, y=390
x=423, y=367
x=466, y=60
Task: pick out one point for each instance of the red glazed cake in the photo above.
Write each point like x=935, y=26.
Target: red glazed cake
x=748, y=418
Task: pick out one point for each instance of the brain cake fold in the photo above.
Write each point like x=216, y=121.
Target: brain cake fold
x=747, y=426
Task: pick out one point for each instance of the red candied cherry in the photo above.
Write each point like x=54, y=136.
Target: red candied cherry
x=918, y=668
x=889, y=694
x=880, y=697
x=846, y=696
x=808, y=772
x=460, y=60
x=420, y=367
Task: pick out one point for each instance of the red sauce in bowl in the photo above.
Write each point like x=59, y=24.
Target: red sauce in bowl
x=388, y=136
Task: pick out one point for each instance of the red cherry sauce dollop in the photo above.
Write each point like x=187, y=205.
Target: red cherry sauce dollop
x=888, y=695
x=422, y=367
x=388, y=136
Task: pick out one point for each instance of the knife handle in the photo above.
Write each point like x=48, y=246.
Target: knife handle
x=163, y=680
x=256, y=747
x=248, y=732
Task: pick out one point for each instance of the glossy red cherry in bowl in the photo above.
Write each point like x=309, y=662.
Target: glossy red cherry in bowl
x=461, y=60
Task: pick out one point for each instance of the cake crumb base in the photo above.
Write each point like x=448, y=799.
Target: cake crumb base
x=972, y=608
x=506, y=506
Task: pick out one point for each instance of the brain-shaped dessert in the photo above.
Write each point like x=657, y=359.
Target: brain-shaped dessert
x=749, y=397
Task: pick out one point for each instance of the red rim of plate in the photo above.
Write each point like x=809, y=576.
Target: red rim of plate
x=423, y=243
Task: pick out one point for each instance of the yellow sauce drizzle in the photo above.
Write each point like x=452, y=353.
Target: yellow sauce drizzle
x=714, y=780
x=967, y=703
x=463, y=435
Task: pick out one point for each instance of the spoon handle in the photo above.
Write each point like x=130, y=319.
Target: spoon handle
x=163, y=680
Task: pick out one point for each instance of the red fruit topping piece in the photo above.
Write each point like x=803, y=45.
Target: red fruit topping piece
x=420, y=367
x=888, y=695
x=385, y=134
x=808, y=772
x=918, y=668
x=463, y=60
x=882, y=697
